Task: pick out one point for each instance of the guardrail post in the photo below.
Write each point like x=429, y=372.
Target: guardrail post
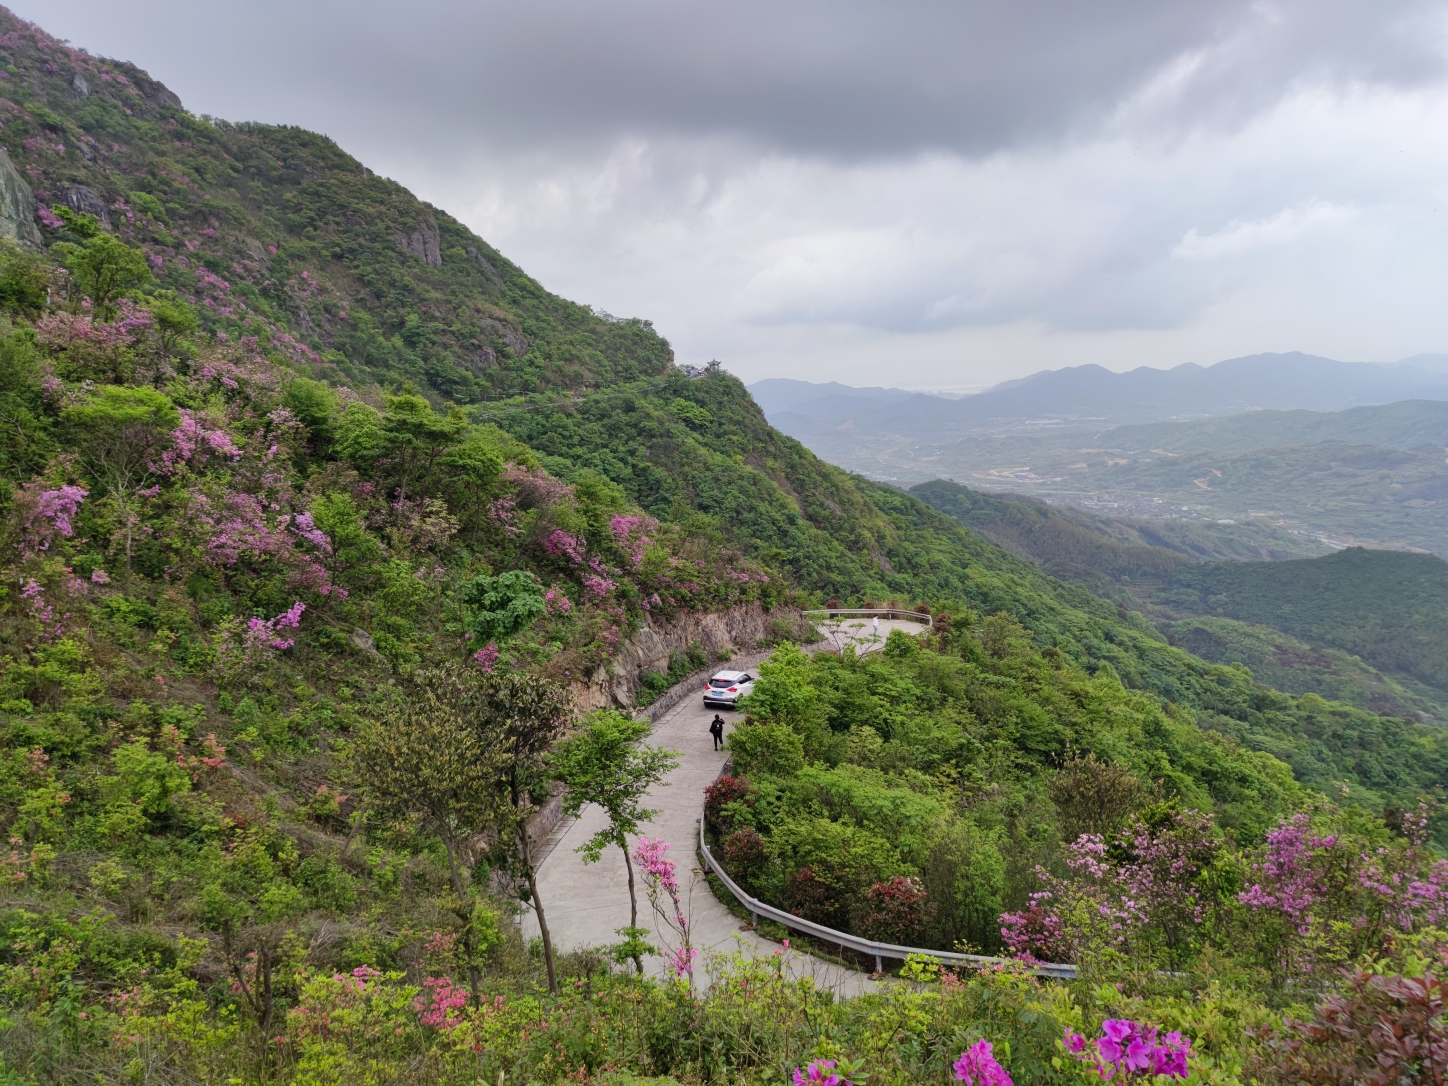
x=754, y=916
x=879, y=965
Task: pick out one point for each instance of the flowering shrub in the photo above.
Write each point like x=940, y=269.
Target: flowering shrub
x=1319, y=898
x=819, y=1073
x=441, y=1004
x=978, y=1066
x=661, y=885
x=1146, y=890
x=1128, y=1050
x=193, y=441
x=47, y=513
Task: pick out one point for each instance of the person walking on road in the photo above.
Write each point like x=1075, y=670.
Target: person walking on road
x=716, y=729
x=877, y=625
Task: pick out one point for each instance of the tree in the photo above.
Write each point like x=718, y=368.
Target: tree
x=408, y=435
x=522, y=714
x=104, y=269
x=603, y=764
x=498, y=607
x=120, y=433
x=24, y=282
x=174, y=320
x=423, y=754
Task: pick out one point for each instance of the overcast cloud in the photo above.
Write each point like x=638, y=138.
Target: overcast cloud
x=929, y=193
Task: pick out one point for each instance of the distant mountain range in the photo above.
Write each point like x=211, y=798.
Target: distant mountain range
x=1093, y=395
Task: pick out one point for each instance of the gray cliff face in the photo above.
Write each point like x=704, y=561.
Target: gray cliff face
x=86, y=201
x=17, y=206
x=744, y=627
x=423, y=242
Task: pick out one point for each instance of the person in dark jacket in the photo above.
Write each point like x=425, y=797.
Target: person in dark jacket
x=716, y=729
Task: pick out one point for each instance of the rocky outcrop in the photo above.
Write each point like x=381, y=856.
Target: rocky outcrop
x=87, y=201
x=17, y=206
x=482, y=262
x=80, y=85
x=511, y=337
x=424, y=242
x=742, y=628
x=158, y=96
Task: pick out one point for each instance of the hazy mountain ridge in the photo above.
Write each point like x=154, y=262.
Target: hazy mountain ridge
x=1373, y=475
x=1092, y=394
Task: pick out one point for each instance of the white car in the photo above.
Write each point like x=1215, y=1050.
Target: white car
x=726, y=688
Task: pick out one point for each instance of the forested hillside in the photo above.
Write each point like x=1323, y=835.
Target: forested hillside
x=316, y=510
x=1357, y=626
x=1389, y=607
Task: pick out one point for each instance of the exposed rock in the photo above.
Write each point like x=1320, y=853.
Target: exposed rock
x=513, y=338
x=17, y=206
x=362, y=640
x=156, y=93
x=481, y=261
x=87, y=201
x=80, y=86
x=482, y=358
x=257, y=252
x=304, y=318
x=423, y=243
x=740, y=628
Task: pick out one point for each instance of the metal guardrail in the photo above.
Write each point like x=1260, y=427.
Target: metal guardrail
x=871, y=612
x=758, y=908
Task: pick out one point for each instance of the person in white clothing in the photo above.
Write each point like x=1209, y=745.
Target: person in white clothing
x=877, y=625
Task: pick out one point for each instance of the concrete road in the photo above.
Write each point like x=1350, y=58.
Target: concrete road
x=587, y=903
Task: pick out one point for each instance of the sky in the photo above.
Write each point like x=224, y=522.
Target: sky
x=936, y=194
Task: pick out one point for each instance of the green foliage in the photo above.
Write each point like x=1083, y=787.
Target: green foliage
x=498, y=607
x=25, y=283
x=602, y=764
x=104, y=268
x=1387, y=607
x=173, y=749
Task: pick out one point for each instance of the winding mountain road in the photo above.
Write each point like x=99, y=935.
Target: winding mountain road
x=586, y=904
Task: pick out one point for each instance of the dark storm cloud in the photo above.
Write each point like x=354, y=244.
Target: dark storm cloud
x=843, y=79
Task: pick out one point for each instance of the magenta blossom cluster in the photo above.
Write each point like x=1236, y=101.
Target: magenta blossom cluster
x=487, y=657
x=978, y=1066
x=819, y=1073
x=630, y=533
x=535, y=486
x=441, y=1003
x=1144, y=880
x=1288, y=881
x=262, y=630
x=661, y=884
x=53, y=511
x=1128, y=1050
x=193, y=441
x=304, y=526
x=567, y=545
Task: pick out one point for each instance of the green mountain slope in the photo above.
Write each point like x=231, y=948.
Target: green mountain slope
x=1389, y=608
x=235, y=542
x=277, y=233
x=1357, y=626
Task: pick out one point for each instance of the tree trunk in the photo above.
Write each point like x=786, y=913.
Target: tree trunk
x=526, y=852
x=633, y=899
x=475, y=981
x=130, y=528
